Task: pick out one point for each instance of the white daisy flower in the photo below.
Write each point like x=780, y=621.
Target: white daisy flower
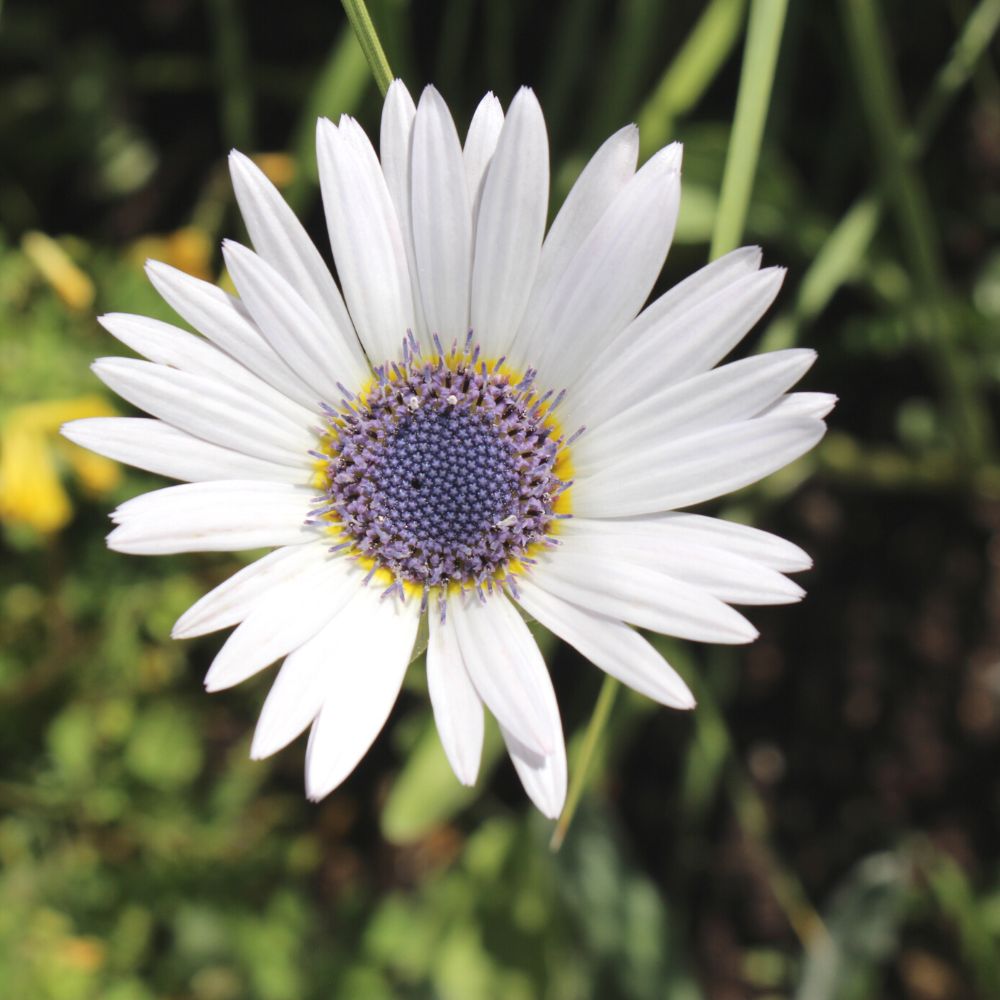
x=479, y=417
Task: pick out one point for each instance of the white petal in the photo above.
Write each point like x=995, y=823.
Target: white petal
x=609, y=644
x=704, y=283
x=602, y=179
x=510, y=225
x=321, y=357
x=169, y=345
x=396, y=136
x=623, y=361
x=802, y=404
x=480, y=143
x=458, y=710
x=699, y=337
x=740, y=539
x=610, y=276
x=367, y=242
x=543, y=778
x=157, y=447
x=282, y=241
x=723, y=395
x=598, y=581
x=695, y=468
x=210, y=409
x=294, y=611
x=213, y=517
x=297, y=694
x=364, y=682
x=654, y=352
x=233, y=599
x=725, y=574
x=442, y=219
x=224, y=321
x=395, y=144
x=506, y=667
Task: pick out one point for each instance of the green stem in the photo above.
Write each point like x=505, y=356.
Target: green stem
x=843, y=254
x=688, y=76
x=881, y=100
x=595, y=728
x=713, y=760
x=767, y=22
x=973, y=41
x=361, y=22
x=232, y=48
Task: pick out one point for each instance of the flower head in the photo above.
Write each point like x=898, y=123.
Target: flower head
x=480, y=416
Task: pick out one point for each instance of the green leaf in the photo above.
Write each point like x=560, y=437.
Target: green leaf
x=164, y=750
x=426, y=792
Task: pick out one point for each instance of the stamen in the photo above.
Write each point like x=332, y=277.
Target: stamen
x=443, y=472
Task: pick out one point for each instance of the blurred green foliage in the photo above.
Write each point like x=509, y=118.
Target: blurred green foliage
x=823, y=826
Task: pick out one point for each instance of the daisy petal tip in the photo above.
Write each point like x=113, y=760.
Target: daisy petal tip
x=181, y=630
x=553, y=808
x=490, y=100
x=114, y=540
x=431, y=93
x=156, y=268
x=524, y=95
x=317, y=790
x=629, y=136
x=326, y=133
x=241, y=166
x=71, y=431
x=215, y=681
x=261, y=747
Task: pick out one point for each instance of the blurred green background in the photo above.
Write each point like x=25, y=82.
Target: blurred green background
x=825, y=825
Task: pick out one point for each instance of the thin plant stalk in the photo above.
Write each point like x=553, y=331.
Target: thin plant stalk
x=843, y=253
x=592, y=737
x=361, y=22
x=881, y=101
x=692, y=70
x=764, y=31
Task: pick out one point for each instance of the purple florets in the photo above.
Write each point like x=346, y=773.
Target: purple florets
x=444, y=471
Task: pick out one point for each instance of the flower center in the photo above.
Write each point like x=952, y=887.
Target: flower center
x=444, y=470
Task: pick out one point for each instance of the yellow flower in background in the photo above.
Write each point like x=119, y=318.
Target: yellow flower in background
x=69, y=282
x=31, y=456
x=278, y=168
x=189, y=248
